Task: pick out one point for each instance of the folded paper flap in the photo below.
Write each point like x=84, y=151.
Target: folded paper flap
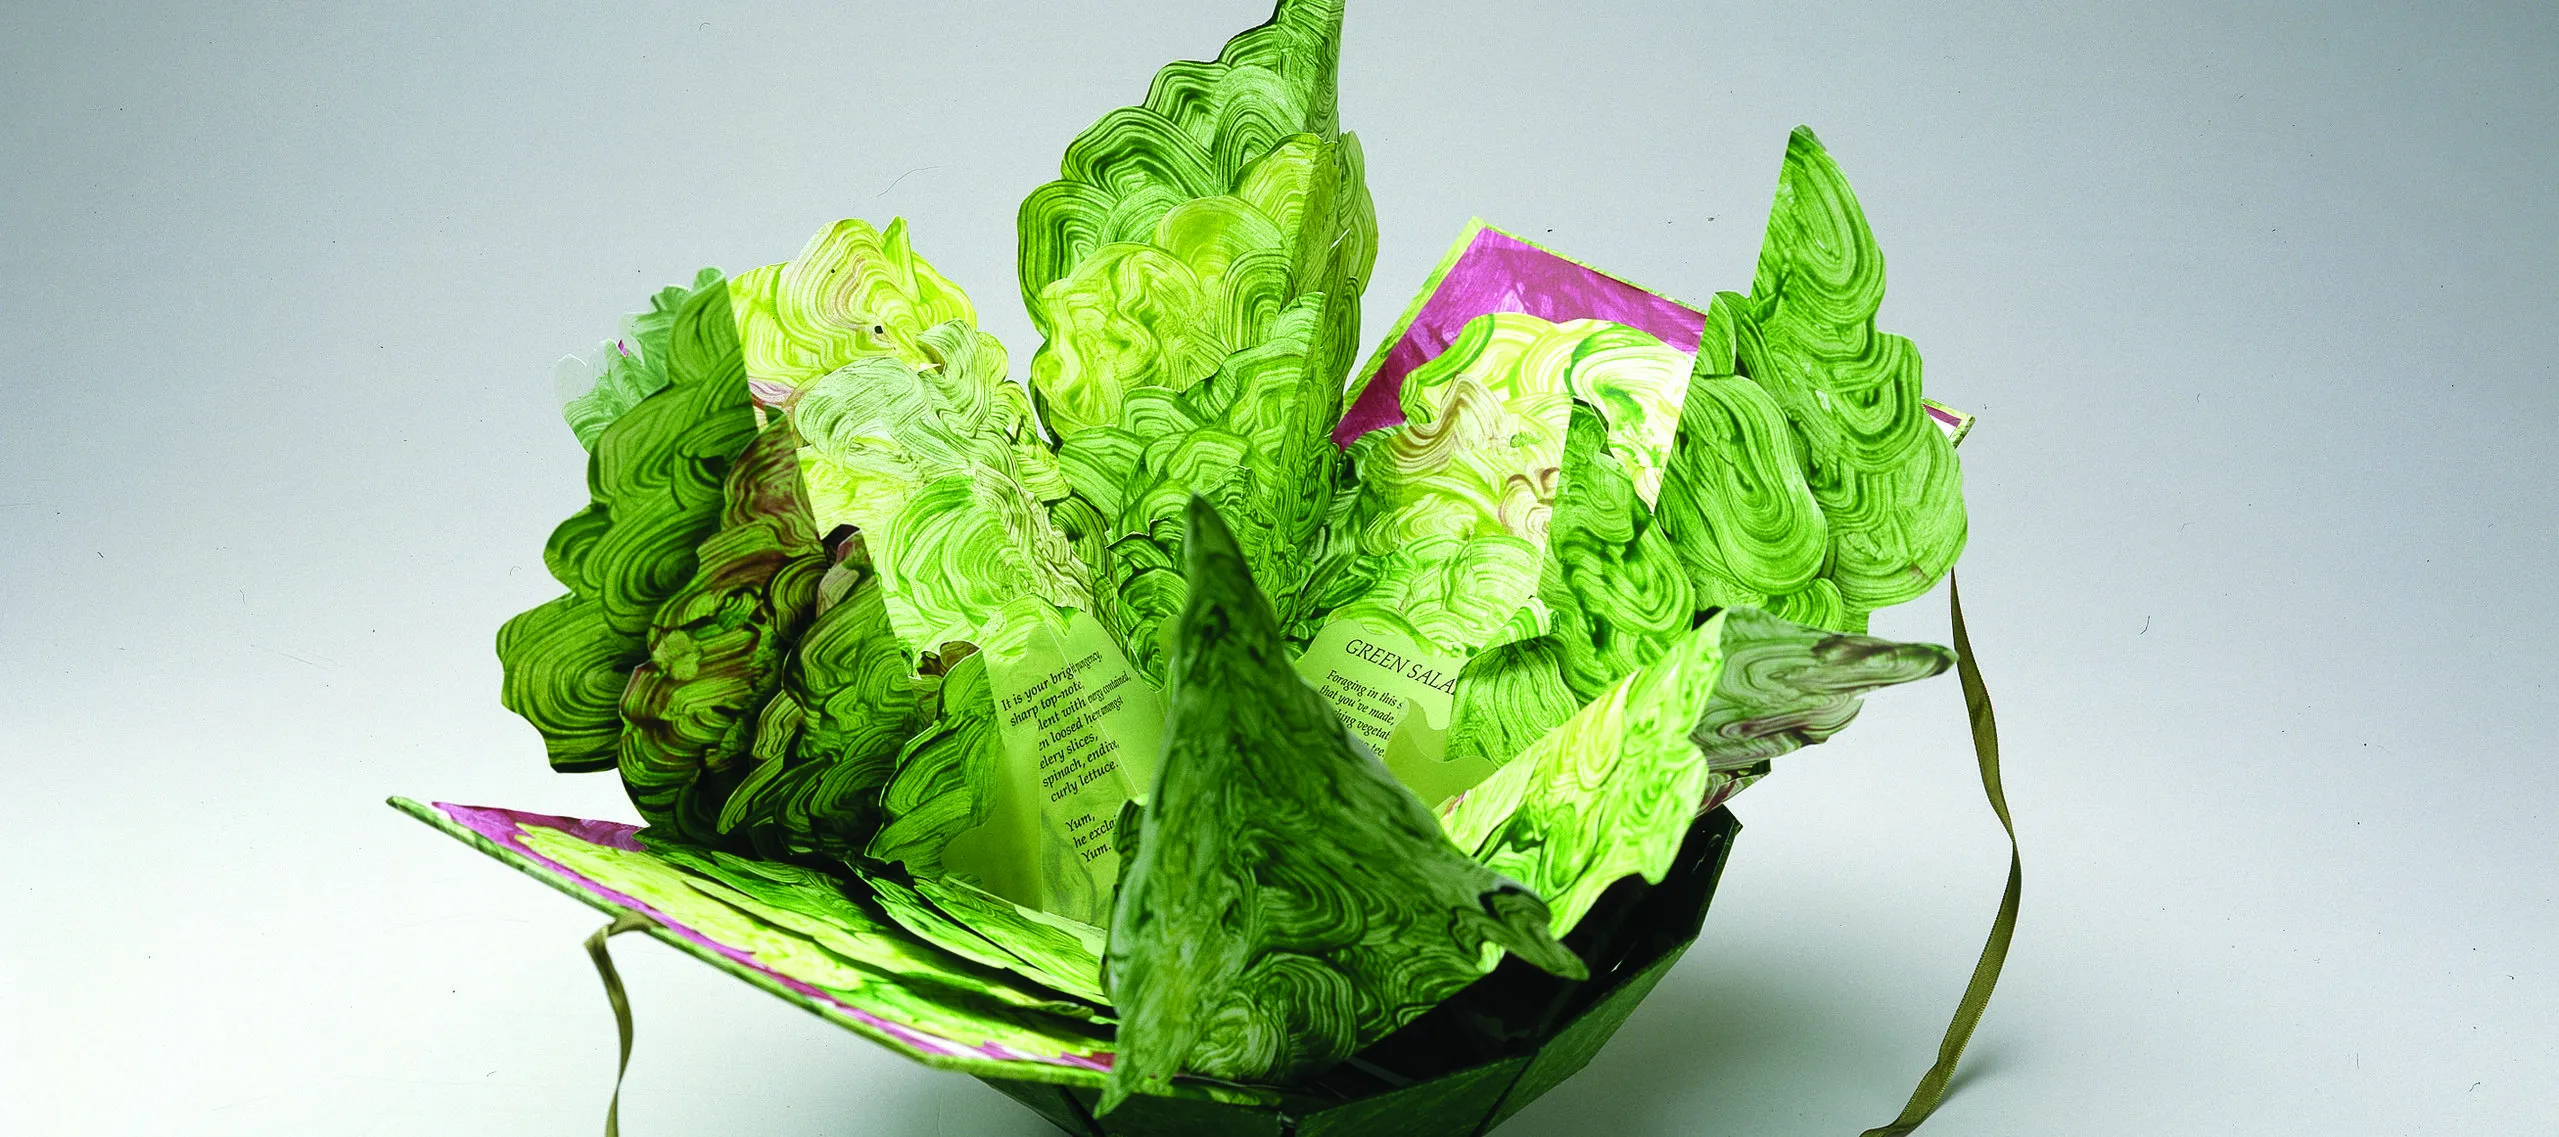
x=1289, y=902
x=935, y=1020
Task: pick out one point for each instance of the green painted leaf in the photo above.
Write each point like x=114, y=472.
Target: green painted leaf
x=1786, y=685
x=1289, y=902
x=1885, y=476
x=846, y=917
x=1195, y=274
x=1616, y=595
x=1617, y=590
x=922, y=461
x=628, y=368
x=853, y=292
x=717, y=648
x=1506, y=699
x=1808, y=478
x=1262, y=454
x=1735, y=504
x=1611, y=789
x=1064, y=953
x=943, y=780
x=655, y=477
x=912, y=434
x=1201, y=128
x=826, y=744
x=1611, y=792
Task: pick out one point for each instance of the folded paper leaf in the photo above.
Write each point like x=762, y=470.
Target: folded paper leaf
x=1785, y=685
x=1609, y=793
x=854, y=292
x=1884, y=473
x=911, y=435
x=655, y=476
x=827, y=743
x=1195, y=272
x=996, y=934
x=1289, y=902
x=1612, y=581
x=717, y=647
x=944, y=779
x=1064, y=953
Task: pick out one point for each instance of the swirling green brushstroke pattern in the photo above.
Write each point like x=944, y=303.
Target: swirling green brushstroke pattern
x=1289, y=902
x=718, y=646
x=940, y=786
x=655, y=478
x=1506, y=699
x=1455, y=506
x=1195, y=273
x=853, y=292
x=1178, y=227
x=1067, y=953
x=1736, y=503
x=923, y=461
x=1886, y=477
x=912, y=435
x=1252, y=439
x=1452, y=512
x=627, y=369
x=1610, y=792
x=1785, y=685
x=943, y=780
x=847, y=918
x=810, y=933
x=1858, y=504
x=825, y=745
x=1616, y=596
x=1069, y=965
x=1617, y=590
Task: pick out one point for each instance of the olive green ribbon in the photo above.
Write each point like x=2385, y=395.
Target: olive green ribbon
x=2003, y=928
x=628, y=921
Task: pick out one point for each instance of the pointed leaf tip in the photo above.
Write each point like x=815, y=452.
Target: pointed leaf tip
x=1290, y=902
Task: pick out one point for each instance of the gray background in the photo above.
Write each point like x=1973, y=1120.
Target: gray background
x=2256, y=302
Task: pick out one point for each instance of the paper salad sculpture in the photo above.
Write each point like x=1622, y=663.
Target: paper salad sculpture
x=1185, y=738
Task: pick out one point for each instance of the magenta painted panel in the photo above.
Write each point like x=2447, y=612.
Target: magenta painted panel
x=1501, y=273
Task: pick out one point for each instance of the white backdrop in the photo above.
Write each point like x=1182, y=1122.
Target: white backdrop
x=2255, y=301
